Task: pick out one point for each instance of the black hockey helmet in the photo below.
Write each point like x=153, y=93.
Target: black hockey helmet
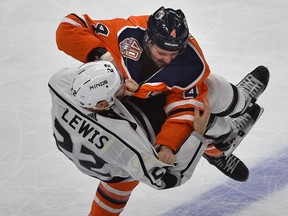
x=168, y=29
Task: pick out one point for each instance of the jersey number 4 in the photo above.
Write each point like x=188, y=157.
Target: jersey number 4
x=101, y=29
x=191, y=93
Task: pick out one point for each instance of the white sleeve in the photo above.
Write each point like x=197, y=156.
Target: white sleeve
x=188, y=156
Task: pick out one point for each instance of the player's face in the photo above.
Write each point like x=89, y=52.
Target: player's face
x=160, y=56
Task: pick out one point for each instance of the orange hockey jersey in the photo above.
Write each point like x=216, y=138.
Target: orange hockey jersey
x=182, y=80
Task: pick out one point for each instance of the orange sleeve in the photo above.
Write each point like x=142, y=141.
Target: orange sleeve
x=77, y=36
x=180, y=132
x=179, y=123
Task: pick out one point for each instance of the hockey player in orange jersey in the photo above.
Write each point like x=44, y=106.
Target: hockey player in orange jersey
x=158, y=52
x=88, y=40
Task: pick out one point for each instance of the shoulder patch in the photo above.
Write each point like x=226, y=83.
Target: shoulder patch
x=130, y=48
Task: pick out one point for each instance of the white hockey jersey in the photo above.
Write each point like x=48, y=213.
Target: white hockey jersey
x=114, y=150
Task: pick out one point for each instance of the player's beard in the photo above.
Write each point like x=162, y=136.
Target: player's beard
x=158, y=63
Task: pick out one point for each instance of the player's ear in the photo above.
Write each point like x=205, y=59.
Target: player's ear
x=102, y=105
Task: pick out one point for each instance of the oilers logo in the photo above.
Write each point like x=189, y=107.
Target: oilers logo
x=131, y=49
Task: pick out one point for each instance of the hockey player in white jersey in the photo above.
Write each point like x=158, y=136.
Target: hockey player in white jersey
x=97, y=133
x=112, y=147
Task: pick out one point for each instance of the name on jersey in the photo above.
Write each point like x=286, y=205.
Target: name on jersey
x=85, y=129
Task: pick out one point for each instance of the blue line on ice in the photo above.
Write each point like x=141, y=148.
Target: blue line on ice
x=231, y=197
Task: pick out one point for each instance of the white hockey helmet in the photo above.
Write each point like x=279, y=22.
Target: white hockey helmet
x=94, y=82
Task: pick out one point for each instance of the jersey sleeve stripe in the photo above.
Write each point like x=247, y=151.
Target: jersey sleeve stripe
x=70, y=21
x=183, y=117
x=183, y=102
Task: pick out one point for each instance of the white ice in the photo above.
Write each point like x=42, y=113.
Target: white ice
x=236, y=36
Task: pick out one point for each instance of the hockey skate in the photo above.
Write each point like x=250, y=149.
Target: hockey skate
x=228, y=163
x=231, y=166
x=242, y=125
x=253, y=85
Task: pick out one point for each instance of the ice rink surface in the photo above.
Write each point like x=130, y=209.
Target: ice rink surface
x=236, y=36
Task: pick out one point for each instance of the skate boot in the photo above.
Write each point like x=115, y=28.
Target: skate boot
x=241, y=127
x=253, y=85
x=231, y=166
